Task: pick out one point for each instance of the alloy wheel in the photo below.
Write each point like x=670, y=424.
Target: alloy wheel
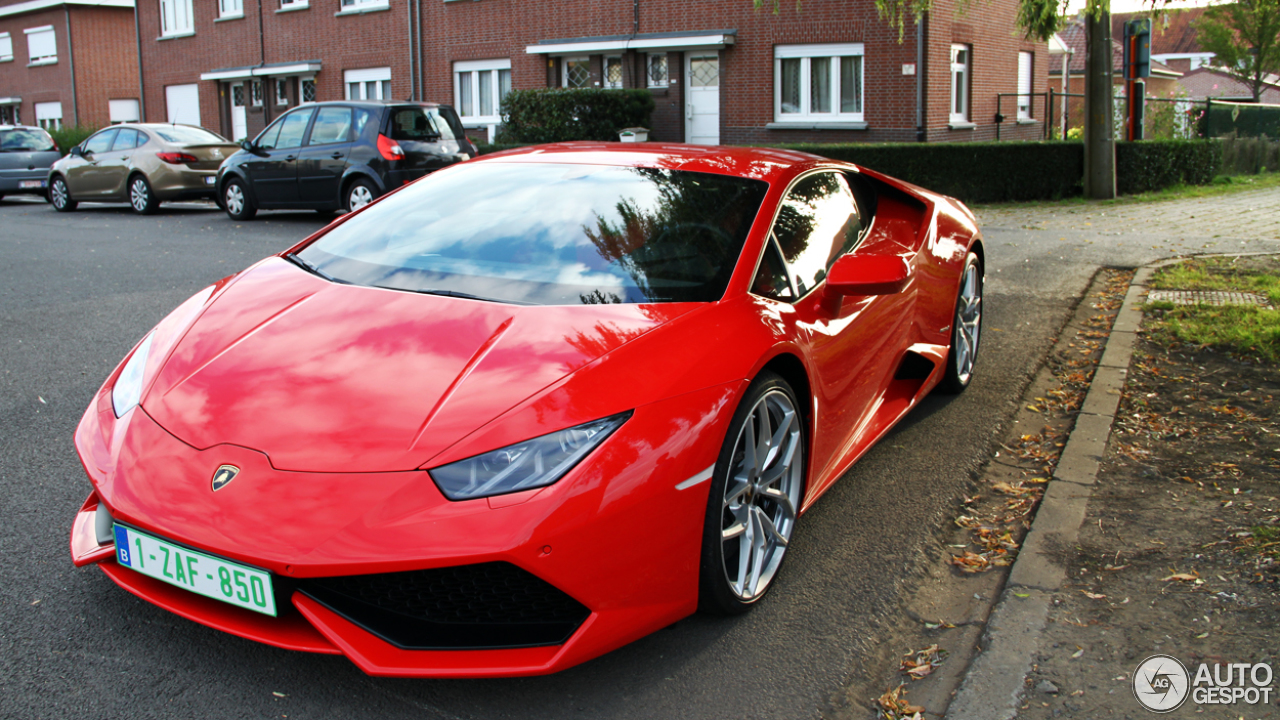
x=139, y=195
x=968, y=323
x=59, y=194
x=762, y=494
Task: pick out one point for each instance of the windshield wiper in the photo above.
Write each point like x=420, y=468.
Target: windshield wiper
x=292, y=257
x=455, y=293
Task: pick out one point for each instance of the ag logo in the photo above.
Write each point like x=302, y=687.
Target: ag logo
x=224, y=475
x=1161, y=683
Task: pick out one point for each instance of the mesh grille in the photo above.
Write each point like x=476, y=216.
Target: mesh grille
x=469, y=606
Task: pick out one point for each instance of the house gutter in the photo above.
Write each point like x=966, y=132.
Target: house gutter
x=142, y=88
x=71, y=65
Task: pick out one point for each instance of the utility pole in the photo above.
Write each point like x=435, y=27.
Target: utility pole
x=1099, y=143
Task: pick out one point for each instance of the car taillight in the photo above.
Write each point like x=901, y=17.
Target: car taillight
x=177, y=158
x=390, y=149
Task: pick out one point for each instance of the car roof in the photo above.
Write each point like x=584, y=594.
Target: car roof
x=760, y=163
x=375, y=103
x=21, y=127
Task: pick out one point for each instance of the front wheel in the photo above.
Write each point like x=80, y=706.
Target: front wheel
x=360, y=193
x=60, y=195
x=141, y=198
x=966, y=329
x=754, y=499
x=236, y=200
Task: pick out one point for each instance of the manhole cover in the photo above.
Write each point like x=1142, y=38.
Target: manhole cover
x=1208, y=297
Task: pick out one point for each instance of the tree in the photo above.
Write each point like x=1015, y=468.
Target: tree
x=1245, y=40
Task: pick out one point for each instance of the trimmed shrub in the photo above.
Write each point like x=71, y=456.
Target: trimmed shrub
x=68, y=137
x=545, y=115
x=972, y=172
x=1148, y=165
x=1249, y=156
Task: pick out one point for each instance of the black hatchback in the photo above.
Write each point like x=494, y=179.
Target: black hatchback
x=337, y=155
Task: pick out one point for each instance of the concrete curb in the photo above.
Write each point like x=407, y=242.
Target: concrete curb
x=994, y=683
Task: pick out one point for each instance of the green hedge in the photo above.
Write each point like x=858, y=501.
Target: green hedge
x=545, y=115
x=973, y=172
x=1249, y=156
x=68, y=136
x=1149, y=165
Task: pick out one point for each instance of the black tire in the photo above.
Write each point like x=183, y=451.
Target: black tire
x=966, y=329
x=60, y=195
x=237, y=201
x=741, y=509
x=141, y=199
x=359, y=194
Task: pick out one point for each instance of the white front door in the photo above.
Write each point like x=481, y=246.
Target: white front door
x=702, y=99
x=183, y=104
x=239, y=126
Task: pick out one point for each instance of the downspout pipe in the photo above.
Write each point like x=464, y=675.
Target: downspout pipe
x=142, y=87
x=413, y=85
x=921, y=135
x=71, y=65
x=422, y=92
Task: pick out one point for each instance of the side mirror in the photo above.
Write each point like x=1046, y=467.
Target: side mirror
x=855, y=274
x=77, y=151
x=248, y=146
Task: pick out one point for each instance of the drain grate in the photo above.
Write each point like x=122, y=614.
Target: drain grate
x=1208, y=297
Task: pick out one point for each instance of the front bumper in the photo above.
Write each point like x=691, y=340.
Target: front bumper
x=615, y=536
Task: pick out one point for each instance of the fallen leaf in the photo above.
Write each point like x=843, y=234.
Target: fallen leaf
x=1093, y=596
x=1184, y=577
x=278, y=694
x=1078, y=653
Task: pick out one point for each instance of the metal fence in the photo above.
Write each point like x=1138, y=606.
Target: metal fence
x=1164, y=118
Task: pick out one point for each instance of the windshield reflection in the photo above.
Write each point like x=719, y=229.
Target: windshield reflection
x=550, y=234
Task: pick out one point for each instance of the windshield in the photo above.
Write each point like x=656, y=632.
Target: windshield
x=549, y=234
x=186, y=135
x=25, y=140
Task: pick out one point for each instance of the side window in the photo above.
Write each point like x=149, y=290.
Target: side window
x=292, y=126
x=362, y=120
x=267, y=140
x=100, y=142
x=333, y=125
x=817, y=223
x=771, y=279
x=126, y=139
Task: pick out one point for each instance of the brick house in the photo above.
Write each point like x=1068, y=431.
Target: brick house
x=719, y=70
x=68, y=62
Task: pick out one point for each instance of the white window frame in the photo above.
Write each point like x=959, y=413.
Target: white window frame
x=255, y=93
x=604, y=72
x=6, y=47
x=1026, y=66
x=302, y=89
x=666, y=70
x=293, y=4
x=358, y=5
x=832, y=53
x=228, y=9
x=961, y=83
x=49, y=115
x=38, y=37
x=466, y=77
x=176, y=18
x=379, y=77
x=282, y=99
x=564, y=69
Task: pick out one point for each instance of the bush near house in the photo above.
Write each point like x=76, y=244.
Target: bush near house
x=1249, y=155
x=553, y=115
x=1149, y=165
x=68, y=137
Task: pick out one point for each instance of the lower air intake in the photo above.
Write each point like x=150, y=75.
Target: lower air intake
x=487, y=606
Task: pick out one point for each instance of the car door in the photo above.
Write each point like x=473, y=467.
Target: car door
x=114, y=165
x=853, y=342
x=83, y=177
x=274, y=167
x=324, y=157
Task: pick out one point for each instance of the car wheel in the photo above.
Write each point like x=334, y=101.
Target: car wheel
x=60, y=196
x=360, y=193
x=966, y=329
x=754, y=499
x=140, y=196
x=236, y=201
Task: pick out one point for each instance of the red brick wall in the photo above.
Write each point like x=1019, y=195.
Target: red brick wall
x=44, y=83
x=106, y=60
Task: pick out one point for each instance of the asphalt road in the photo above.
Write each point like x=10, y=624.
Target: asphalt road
x=76, y=291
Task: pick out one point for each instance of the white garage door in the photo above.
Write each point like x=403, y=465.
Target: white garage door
x=183, y=103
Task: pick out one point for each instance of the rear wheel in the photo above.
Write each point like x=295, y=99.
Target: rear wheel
x=144, y=201
x=60, y=195
x=236, y=200
x=966, y=329
x=754, y=499
x=359, y=194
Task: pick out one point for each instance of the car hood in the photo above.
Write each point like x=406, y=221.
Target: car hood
x=325, y=377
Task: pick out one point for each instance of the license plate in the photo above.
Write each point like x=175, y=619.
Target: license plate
x=209, y=179
x=24, y=184
x=206, y=575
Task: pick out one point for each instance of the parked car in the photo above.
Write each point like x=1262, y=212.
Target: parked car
x=25, y=156
x=142, y=164
x=340, y=155
x=529, y=408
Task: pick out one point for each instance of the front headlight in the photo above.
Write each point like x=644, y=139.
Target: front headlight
x=127, y=392
x=531, y=464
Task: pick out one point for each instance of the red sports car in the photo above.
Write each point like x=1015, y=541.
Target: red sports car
x=529, y=408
